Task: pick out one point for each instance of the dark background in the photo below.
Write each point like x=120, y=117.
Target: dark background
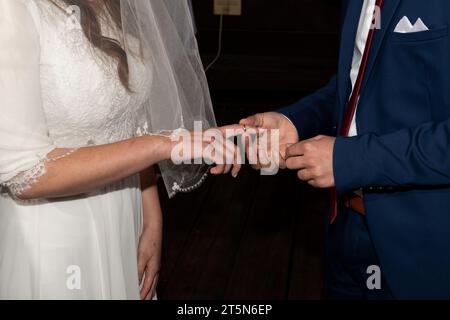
x=254, y=237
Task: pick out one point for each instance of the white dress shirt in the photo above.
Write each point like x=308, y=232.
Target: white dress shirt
x=365, y=23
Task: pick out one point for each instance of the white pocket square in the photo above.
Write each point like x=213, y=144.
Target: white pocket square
x=405, y=26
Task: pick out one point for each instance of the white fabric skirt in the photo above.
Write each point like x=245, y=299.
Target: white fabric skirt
x=82, y=247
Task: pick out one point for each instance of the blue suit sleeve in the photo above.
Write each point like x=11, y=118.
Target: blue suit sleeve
x=313, y=115
x=411, y=157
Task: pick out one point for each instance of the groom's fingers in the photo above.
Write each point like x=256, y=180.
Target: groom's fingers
x=305, y=175
x=283, y=155
x=295, y=150
x=297, y=163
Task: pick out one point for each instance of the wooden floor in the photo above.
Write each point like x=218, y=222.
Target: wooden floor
x=253, y=237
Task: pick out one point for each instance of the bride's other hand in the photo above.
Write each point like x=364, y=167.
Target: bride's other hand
x=149, y=261
x=150, y=242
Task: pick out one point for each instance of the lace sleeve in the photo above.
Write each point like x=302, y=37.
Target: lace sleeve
x=26, y=179
x=24, y=137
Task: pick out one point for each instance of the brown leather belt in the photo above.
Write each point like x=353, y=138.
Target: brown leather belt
x=355, y=202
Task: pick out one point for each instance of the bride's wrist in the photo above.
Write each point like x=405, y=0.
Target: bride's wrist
x=153, y=224
x=164, y=146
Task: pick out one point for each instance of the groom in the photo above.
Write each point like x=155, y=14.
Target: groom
x=389, y=167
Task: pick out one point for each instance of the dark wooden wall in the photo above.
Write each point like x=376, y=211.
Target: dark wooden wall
x=254, y=237
x=276, y=52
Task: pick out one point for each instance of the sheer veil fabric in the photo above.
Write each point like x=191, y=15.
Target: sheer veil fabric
x=164, y=30
x=161, y=32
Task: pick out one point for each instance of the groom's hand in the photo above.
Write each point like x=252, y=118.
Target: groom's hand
x=274, y=120
x=314, y=160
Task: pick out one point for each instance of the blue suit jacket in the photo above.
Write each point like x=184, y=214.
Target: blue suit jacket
x=402, y=154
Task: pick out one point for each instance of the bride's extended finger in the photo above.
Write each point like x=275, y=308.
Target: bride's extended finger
x=228, y=159
x=147, y=285
x=236, y=169
x=151, y=295
x=233, y=156
x=232, y=128
x=217, y=170
x=238, y=161
x=256, y=120
x=251, y=150
x=266, y=160
x=227, y=169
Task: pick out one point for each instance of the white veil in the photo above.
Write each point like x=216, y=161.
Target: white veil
x=179, y=93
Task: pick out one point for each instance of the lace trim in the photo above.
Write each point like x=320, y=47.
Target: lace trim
x=143, y=131
x=177, y=188
x=26, y=179
x=65, y=155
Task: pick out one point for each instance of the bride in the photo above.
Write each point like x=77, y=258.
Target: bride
x=91, y=90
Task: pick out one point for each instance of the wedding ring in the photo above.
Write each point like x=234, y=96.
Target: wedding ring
x=245, y=128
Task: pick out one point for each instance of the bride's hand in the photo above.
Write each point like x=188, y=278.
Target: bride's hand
x=149, y=261
x=209, y=146
x=225, y=154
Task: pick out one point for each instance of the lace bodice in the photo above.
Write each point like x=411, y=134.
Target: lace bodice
x=83, y=99
x=63, y=93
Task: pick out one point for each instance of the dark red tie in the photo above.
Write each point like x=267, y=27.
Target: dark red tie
x=353, y=102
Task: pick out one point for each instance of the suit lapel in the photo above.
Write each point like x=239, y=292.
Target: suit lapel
x=349, y=30
x=387, y=14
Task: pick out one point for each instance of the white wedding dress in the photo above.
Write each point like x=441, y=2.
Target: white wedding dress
x=65, y=94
